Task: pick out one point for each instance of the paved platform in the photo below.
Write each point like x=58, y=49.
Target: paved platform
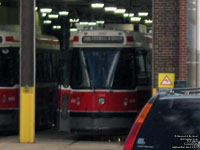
x=52, y=140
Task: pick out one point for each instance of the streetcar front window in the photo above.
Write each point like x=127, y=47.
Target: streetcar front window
x=103, y=68
x=9, y=66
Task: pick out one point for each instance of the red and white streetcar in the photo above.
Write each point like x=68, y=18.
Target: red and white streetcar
x=106, y=81
x=48, y=53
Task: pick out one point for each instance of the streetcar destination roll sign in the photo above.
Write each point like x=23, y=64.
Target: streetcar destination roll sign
x=102, y=39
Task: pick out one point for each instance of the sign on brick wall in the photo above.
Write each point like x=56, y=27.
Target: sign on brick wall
x=166, y=80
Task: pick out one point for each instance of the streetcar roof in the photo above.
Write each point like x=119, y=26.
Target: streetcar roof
x=12, y=39
x=118, y=38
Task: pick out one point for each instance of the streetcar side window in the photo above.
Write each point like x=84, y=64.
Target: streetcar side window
x=142, y=75
x=9, y=66
x=65, y=68
x=125, y=72
x=76, y=72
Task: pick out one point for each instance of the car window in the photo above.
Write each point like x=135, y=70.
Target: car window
x=171, y=124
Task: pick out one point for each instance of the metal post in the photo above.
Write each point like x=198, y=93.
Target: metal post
x=65, y=33
x=198, y=43
x=27, y=69
x=192, y=43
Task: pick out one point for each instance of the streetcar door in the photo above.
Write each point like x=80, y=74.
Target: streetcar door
x=143, y=77
x=64, y=92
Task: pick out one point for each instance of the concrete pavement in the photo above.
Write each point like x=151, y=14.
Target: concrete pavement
x=52, y=140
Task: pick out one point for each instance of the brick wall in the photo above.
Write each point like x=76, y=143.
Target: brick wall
x=182, y=40
x=169, y=44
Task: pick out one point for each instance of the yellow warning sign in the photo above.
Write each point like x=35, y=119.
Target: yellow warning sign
x=166, y=80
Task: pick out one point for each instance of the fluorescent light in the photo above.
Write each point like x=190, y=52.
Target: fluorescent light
x=97, y=5
x=45, y=10
x=92, y=23
x=47, y=21
x=120, y=11
x=110, y=9
x=148, y=21
x=131, y=14
x=83, y=23
x=53, y=16
x=143, y=14
x=73, y=29
x=44, y=14
x=100, y=22
x=73, y=20
x=128, y=15
x=63, y=13
x=135, y=19
x=57, y=27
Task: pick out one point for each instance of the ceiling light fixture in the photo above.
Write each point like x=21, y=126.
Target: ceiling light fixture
x=52, y=16
x=143, y=14
x=63, y=13
x=131, y=14
x=126, y=15
x=92, y=23
x=56, y=27
x=73, y=29
x=47, y=21
x=45, y=10
x=135, y=19
x=44, y=14
x=120, y=11
x=110, y=9
x=83, y=23
x=73, y=20
x=97, y=5
x=148, y=21
x=100, y=22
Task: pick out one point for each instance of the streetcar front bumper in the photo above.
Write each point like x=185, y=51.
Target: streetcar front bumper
x=9, y=119
x=102, y=123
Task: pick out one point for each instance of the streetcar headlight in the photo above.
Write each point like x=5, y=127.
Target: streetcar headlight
x=101, y=101
x=4, y=100
x=125, y=103
x=78, y=102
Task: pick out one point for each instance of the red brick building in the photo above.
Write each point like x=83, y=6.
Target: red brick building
x=169, y=44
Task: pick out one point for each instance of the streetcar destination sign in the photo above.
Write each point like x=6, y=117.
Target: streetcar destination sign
x=103, y=39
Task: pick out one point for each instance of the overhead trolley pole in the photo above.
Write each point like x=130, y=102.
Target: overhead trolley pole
x=27, y=69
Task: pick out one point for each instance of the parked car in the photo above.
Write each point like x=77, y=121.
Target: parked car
x=168, y=121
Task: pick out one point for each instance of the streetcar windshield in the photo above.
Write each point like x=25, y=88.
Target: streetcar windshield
x=103, y=68
x=9, y=66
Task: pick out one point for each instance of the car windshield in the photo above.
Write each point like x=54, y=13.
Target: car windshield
x=103, y=68
x=171, y=124
x=9, y=66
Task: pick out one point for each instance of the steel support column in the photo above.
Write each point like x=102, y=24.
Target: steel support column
x=27, y=69
x=192, y=43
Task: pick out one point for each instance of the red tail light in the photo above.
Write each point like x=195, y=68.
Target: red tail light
x=130, y=39
x=11, y=39
x=150, y=40
x=130, y=141
x=76, y=39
